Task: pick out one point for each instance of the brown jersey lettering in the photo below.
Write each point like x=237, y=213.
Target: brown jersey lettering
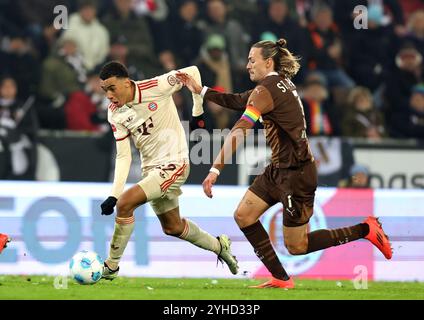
x=285, y=124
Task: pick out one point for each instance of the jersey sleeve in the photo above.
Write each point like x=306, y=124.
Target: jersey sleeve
x=122, y=167
x=119, y=131
x=234, y=101
x=260, y=102
x=168, y=83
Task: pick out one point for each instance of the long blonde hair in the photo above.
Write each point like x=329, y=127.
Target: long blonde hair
x=286, y=64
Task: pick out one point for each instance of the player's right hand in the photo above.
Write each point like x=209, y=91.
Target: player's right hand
x=189, y=82
x=108, y=205
x=208, y=183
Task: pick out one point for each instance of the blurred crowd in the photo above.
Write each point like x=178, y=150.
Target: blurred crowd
x=365, y=83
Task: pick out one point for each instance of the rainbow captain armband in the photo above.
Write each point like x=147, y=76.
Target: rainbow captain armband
x=251, y=114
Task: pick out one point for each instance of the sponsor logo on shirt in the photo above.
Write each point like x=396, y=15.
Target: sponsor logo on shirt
x=152, y=106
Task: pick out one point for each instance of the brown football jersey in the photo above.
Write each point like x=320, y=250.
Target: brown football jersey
x=284, y=120
x=285, y=124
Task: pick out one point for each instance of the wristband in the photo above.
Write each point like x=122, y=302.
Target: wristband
x=214, y=170
x=203, y=92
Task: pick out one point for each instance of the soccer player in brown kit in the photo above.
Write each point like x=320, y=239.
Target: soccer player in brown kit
x=291, y=178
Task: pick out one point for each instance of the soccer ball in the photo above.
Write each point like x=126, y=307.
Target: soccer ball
x=86, y=267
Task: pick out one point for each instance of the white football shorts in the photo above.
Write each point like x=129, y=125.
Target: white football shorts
x=162, y=183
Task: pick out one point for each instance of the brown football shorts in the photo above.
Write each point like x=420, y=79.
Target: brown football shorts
x=293, y=187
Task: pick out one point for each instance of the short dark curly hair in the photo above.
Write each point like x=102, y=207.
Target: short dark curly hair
x=113, y=69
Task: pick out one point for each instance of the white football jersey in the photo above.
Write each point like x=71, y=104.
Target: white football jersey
x=152, y=121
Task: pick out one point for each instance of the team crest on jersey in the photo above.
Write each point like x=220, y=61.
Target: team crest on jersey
x=172, y=80
x=152, y=106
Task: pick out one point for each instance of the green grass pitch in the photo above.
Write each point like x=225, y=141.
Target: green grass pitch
x=42, y=287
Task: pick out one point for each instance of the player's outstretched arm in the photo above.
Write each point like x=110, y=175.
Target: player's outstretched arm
x=194, y=74
x=260, y=102
x=122, y=168
x=231, y=144
x=234, y=101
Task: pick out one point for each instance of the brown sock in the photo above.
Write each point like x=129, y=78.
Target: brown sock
x=325, y=238
x=259, y=239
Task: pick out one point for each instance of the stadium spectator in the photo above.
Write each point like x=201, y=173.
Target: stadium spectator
x=323, y=123
x=86, y=110
x=392, y=15
x=359, y=177
x=278, y=24
x=372, y=51
x=184, y=37
x=131, y=38
x=18, y=127
x=301, y=10
x=119, y=52
x=37, y=21
x=18, y=58
x=91, y=36
x=415, y=33
x=362, y=118
x=326, y=49
x=409, y=122
x=167, y=60
x=214, y=64
x=236, y=40
x=171, y=37
x=245, y=12
x=411, y=6
x=399, y=83
x=63, y=73
x=156, y=12
x=320, y=115
x=157, y=9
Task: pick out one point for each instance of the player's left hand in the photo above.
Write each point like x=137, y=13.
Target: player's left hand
x=108, y=205
x=208, y=182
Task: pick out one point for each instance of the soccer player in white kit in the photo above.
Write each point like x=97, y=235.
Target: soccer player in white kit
x=145, y=111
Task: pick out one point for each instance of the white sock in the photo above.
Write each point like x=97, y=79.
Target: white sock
x=122, y=233
x=192, y=233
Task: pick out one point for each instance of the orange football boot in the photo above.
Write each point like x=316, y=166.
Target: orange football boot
x=378, y=237
x=276, y=283
x=4, y=239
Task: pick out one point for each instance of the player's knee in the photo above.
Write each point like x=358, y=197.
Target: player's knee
x=173, y=230
x=297, y=249
x=124, y=208
x=237, y=217
x=241, y=219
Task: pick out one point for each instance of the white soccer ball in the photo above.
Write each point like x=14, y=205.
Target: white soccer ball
x=86, y=267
